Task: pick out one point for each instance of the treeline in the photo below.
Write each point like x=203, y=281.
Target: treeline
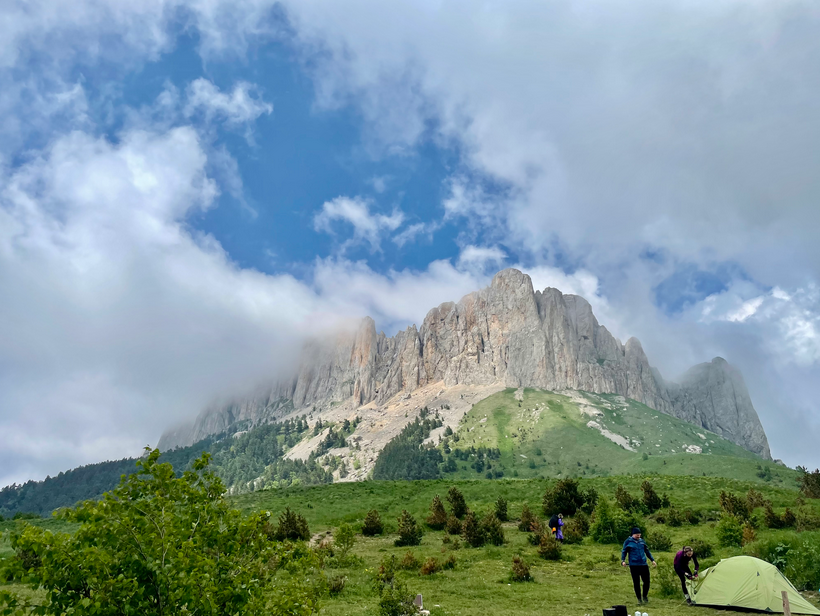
x=245, y=461
x=406, y=457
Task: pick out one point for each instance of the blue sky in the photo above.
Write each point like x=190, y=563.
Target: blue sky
x=189, y=188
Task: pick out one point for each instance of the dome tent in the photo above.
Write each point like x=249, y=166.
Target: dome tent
x=747, y=582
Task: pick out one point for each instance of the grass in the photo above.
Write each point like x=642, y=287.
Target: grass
x=588, y=578
x=547, y=436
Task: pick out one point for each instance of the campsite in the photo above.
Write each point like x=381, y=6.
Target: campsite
x=456, y=579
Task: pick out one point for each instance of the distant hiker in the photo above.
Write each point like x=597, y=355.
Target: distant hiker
x=638, y=552
x=682, y=559
x=555, y=524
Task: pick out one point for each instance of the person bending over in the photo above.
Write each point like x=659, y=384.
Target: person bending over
x=638, y=552
x=682, y=559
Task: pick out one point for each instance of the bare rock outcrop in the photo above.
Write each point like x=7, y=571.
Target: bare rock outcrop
x=505, y=334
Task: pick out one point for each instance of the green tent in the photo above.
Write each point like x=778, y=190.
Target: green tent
x=747, y=582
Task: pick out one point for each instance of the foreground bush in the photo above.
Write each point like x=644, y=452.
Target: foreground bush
x=797, y=556
x=658, y=540
x=160, y=544
x=729, y=531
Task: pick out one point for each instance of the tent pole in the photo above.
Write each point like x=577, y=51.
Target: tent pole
x=787, y=610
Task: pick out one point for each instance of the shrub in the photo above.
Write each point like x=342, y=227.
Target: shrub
x=409, y=562
x=430, y=566
x=336, y=584
x=809, y=482
x=576, y=528
x=527, y=516
x=674, y=517
x=472, y=530
x=798, y=560
x=729, y=531
x=538, y=529
x=438, y=516
x=396, y=600
x=692, y=516
x=610, y=525
x=493, y=531
x=658, y=540
x=702, y=549
x=789, y=520
x=501, y=509
x=567, y=498
x=625, y=500
x=734, y=505
x=770, y=518
x=754, y=499
x=453, y=525
x=651, y=501
x=372, y=524
x=450, y=563
x=668, y=581
x=458, y=505
x=520, y=570
x=409, y=531
x=748, y=533
x=292, y=526
x=343, y=539
x=806, y=519
x=549, y=548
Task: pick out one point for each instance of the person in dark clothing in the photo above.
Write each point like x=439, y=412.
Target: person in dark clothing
x=682, y=559
x=638, y=552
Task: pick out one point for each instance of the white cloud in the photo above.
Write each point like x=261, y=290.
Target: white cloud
x=237, y=108
x=481, y=257
x=367, y=226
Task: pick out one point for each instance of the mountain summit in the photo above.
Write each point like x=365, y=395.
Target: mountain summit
x=505, y=335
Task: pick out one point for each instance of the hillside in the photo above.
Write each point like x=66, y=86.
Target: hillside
x=510, y=433
x=543, y=434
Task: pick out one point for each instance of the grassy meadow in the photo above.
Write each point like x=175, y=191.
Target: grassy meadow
x=588, y=578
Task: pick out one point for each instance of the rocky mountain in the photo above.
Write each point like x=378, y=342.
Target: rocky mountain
x=508, y=335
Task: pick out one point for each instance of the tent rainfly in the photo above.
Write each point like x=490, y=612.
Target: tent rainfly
x=747, y=582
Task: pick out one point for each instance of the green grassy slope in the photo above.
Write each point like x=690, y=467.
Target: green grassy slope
x=546, y=435
x=588, y=578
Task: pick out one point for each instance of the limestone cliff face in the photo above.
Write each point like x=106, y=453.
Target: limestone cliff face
x=506, y=333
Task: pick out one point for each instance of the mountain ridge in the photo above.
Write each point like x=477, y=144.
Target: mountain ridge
x=506, y=334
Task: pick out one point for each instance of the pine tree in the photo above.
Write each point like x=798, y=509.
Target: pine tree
x=438, y=516
x=457, y=503
x=409, y=531
x=472, y=530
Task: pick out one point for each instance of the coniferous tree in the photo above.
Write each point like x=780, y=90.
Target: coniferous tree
x=457, y=503
x=438, y=516
x=410, y=532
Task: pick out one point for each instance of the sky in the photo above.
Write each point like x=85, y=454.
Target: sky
x=189, y=188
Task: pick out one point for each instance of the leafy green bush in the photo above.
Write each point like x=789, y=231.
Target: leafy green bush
x=549, y=548
x=702, y=549
x=806, y=519
x=372, y=524
x=658, y=540
x=797, y=557
x=520, y=570
x=438, y=516
x=336, y=584
x=210, y=554
x=458, y=506
x=344, y=538
x=809, y=482
x=729, y=531
x=610, y=525
x=450, y=563
x=410, y=532
x=668, y=581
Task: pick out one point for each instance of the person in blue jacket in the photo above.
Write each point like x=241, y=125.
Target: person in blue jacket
x=638, y=552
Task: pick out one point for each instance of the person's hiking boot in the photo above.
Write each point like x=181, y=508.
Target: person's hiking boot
x=646, y=600
x=640, y=601
x=688, y=600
